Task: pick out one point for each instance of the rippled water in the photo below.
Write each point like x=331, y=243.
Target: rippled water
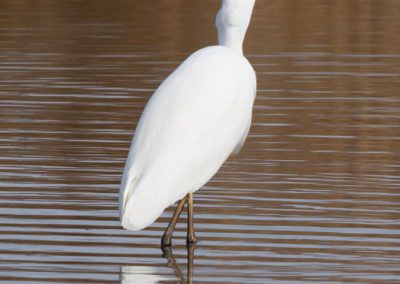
x=314, y=195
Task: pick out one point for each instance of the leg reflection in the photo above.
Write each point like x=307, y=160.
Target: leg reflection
x=190, y=260
x=167, y=253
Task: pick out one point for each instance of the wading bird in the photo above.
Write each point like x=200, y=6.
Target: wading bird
x=194, y=121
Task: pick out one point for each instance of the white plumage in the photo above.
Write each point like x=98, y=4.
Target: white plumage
x=197, y=117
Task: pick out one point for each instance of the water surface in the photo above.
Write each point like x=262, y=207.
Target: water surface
x=314, y=195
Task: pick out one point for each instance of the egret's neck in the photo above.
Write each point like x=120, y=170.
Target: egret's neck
x=231, y=37
x=232, y=22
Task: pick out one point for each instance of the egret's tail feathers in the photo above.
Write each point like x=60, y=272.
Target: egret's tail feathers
x=139, y=204
x=133, y=224
x=128, y=187
x=141, y=210
x=136, y=223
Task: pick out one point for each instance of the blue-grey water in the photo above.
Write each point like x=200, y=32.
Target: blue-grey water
x=314, y=196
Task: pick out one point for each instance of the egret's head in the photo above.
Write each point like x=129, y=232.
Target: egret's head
x=232, y=22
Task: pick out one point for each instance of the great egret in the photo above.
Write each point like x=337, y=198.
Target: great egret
x=195, y=120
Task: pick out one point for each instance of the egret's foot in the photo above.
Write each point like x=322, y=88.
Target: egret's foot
x=166, y=241
x=191, y=240
x=167, y=252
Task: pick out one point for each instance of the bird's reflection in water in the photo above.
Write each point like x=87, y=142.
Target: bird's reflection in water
x=151, y=275
x=167, y=253
x=141, y=274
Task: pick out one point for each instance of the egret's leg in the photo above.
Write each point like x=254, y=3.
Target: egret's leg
x=166, y=238
x=191, y=238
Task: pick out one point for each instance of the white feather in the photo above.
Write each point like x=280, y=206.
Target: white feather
x=198, y=116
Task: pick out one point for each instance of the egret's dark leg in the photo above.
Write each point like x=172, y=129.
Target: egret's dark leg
x=191, y=238
x=166, y=238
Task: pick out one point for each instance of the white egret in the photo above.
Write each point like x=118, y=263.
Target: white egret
x=194, y=121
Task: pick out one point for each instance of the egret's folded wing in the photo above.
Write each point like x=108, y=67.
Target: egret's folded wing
x=188, y=129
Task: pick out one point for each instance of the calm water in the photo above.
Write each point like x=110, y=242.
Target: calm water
x=314, y=195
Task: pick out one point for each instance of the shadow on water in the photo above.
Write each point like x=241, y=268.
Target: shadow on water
x=150, y=275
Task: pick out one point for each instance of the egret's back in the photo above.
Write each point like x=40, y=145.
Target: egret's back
x=190, y=126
